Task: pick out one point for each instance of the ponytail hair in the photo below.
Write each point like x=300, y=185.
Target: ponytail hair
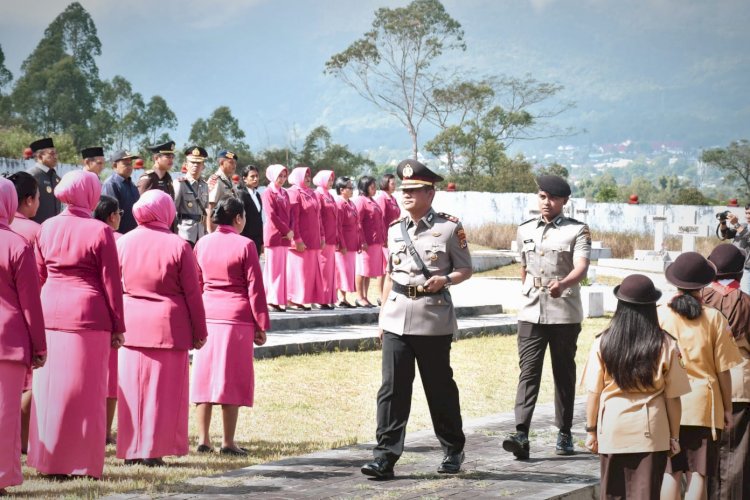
x=226, y=211
x=686, y=305
x=26, y=185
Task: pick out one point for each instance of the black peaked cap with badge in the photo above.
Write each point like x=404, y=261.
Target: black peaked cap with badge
x=166, y=148
x=414, y=175
x=196, y=154
x=40, y=144
x=92, y=152
x=553, y=185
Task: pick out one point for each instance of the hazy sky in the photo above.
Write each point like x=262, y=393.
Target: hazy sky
x=265, y=59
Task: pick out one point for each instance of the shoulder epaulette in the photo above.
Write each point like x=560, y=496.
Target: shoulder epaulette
x=448, y=216
x=599, y=334
x=148, y=172
x=574, y=221
x=396, y=221
x=181, y=179
x=528, y=220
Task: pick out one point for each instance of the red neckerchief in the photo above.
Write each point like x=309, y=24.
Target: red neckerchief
x=725, y=290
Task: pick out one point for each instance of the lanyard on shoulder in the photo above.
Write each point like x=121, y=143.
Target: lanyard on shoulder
x=413, y=251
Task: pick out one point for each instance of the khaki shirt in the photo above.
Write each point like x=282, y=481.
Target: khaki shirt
x=707, y=349
x=637, y=421
x=548, y=252
x=221, y=187
x=186, y=204
x=441, y=244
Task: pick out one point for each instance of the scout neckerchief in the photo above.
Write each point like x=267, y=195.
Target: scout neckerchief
x=197, y=199
x=413, y=251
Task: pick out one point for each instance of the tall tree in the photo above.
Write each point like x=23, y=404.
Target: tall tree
x=119, y=120
x=158, y=119
x=219, y=131
x=5, y=78
x=391, y=65
x=734, y=161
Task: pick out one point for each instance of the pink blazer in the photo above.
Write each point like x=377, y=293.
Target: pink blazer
x=349, y=228
x=25, y=227
x=306, y=216
x=277, y=210
x=389, y=206
x=21, y=318
x=371, y=220
x=77, y=261
x=162, y=291
x=328, y=216
x=231, y=279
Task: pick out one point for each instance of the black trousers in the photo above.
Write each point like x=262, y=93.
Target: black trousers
x=533, y=339
x=432, y=355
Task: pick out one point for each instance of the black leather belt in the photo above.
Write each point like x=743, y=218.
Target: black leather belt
x=412, y=291
x=196, y=218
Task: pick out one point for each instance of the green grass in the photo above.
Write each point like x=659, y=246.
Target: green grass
x=316, y=402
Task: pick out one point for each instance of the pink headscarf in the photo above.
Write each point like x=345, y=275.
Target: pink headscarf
x=156, y=208
x=297, y=177
x=273, y=172
x=8, y=201
x=80, y=189
x=322, y=179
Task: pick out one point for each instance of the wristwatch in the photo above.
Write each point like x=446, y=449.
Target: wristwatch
x=590, y=429
x=449, y=281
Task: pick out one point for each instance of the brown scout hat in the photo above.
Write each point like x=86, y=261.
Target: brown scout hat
x=637, y=289
x=690, y=271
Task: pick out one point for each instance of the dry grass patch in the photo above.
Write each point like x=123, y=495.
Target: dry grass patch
x=316, y=402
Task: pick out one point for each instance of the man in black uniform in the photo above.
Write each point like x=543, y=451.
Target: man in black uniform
x=253, y=207
x=159, y=177
x=43, y=171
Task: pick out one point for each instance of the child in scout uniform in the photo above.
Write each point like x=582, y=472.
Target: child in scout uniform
x=708, y=353
x=725, y=294
x=634, y=372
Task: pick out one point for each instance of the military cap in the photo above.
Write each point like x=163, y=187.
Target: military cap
x=414, y=175
x=42, y=144
x=122, y=155
x=163, y=149
x=553, y=185
x=228, y=155
x=728, y=259
x=196, y=154
x=92, y=152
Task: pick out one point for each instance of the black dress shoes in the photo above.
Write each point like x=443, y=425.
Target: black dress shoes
x=293, y=306
x=344, y=304
x=451, y=464
x=362, y=303
x=277, y=308
x=564, y=444
x=518, y=444
x=204, y=448
x=235, y=452
x=380, y=468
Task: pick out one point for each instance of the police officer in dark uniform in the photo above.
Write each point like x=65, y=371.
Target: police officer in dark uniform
x=43, y=171
x=428, y=253
x=159, y=177
x=555, y=253
x=191, y=197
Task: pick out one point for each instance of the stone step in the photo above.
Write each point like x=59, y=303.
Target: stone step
x=365, y=337
x=293, y=322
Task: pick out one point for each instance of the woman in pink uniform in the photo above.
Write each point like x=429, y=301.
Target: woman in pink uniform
x=236, y=316
x=370, y=260
x=28, y=203
x=303, y=280
x=391, y=212
x=83, y=315
x=108, y=211
x=165, y=318
x=350, y=237
x=22, y=342
x=329, y=220
x=277, y=236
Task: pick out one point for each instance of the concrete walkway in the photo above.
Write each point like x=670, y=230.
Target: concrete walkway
x=488, y=472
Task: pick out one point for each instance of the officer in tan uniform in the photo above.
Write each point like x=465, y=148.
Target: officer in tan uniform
x=428, y=253
x=191, y=197
x=555, y=253
x=220, y=183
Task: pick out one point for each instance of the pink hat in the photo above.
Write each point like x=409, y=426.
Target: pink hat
x=297, y=177
x=322, y=178
x=8, y=200
x=154, y=207
x=273, y=172
x=79, y=188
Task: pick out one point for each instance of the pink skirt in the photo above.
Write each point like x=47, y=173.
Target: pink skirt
x=223, y=368
x=345, y=266
x=12, y=374
x=370, y=262
x=152, y=403
x=68, y=425
x=328, y=274
x=112, y=375
x=303, y=280
x=28, y=379
x=274, y=275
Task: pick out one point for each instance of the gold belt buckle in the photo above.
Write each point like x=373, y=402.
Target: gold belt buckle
x=537, y=282
x=411, y=291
